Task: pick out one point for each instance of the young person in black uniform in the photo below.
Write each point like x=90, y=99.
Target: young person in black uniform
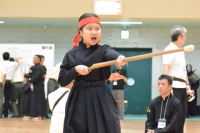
x=91, y=107
x=118, y=89
x=26, y=97
x=164, y=112
x=37, y=110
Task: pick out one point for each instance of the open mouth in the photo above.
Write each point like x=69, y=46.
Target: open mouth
x=93, y=38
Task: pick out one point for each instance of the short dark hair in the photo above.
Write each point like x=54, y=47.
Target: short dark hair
x=11, y=59
x=86, y=15
x=39, y=57
x=168, y=78
x=27, y=76
x=177, y=31
x=42, y=56
x=6, y=56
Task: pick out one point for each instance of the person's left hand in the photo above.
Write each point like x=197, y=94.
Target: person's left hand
x=150, y=131
x=190, y=92
x=120, y=60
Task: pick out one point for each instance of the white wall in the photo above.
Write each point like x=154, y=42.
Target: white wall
x=155, y=38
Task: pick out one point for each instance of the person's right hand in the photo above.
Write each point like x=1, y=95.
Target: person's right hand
x=114, y=76
x=82, y=70
x=31, y=85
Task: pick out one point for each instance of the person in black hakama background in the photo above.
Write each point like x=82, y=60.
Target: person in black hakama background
x=90, y=108
x=43, y=67
x=194, y=84
x=45, y=72
x=26, y=97
x=37, y=109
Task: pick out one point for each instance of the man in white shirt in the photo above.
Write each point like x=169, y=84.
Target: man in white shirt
x=175, y=65
x=52, y=83
x=10, y=68
x=2, y=83
x=16, y=94
x=58, y=111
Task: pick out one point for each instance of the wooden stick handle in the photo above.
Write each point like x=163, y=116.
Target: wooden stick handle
x=113, y=62
x=121, y=101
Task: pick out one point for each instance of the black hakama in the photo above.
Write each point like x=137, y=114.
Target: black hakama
x=37, y=96
x=91, y=107
x=26, y=99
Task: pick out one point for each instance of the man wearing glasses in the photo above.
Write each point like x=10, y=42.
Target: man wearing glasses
x=174, y=65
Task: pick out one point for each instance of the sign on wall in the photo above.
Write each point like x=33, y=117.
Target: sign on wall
x=26, y=52
x=108, y=7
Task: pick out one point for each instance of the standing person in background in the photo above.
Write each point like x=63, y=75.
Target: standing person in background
x=17, y=83
x=37, y=111
x=57, y=99
x=118, y=89
x=26, y=97
x=10, y=69
x=44, y=77
x=194, y=85
x=175, y=65
x=42, y=65
x=52, y=83
x=90, y=106
x=2, y=83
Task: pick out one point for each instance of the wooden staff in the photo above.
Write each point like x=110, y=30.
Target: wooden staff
x=125, y=101
x=133, y=58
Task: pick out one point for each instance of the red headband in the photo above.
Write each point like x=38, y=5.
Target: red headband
x=82, y=23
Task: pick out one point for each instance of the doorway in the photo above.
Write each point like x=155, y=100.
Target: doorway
x=138, y=95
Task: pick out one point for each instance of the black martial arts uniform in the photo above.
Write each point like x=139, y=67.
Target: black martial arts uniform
x=37, y=97
x=44, y=71
x=91, y=107
x=172, y=115
x=25, y=100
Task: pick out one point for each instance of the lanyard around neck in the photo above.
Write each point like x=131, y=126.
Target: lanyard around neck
x=119, y=70
x=165, y=108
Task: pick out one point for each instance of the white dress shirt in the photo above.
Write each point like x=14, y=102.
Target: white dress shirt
x=10, y=68
x=2, y=72
x=58, y=114
x=18, y=76
x=177, y=65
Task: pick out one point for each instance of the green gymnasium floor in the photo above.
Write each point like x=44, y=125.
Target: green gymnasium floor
x=144, y=117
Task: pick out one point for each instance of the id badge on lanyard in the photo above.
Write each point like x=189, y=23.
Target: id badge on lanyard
x=115, y=82
x=161, y=123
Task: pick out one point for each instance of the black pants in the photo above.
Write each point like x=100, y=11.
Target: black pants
x=7, y=95
x=16, y=94
x=180, y=93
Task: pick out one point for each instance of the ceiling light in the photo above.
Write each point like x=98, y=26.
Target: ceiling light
x=121, y=23
x=1, y=22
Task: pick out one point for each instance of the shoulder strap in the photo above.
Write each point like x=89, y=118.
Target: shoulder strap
x=59, y=100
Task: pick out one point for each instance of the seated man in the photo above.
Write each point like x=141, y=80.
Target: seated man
x=164, y=111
